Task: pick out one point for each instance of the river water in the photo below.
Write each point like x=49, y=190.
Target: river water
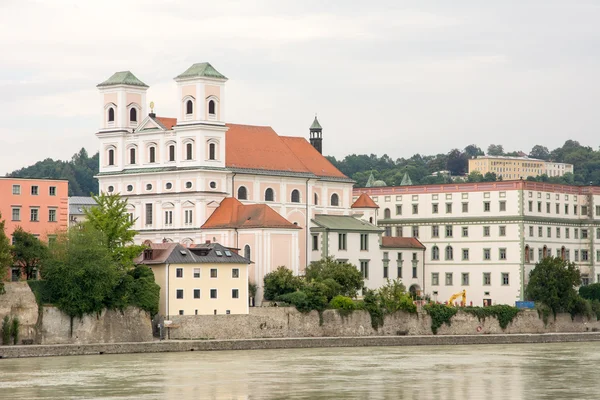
x=539, y=371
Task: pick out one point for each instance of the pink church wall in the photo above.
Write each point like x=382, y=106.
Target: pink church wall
x=189, y=90
x=110, y=98
x=134, y=98
x=249, y=185
x=281, y=251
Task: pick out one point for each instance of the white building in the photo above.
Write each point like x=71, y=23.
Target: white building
x=557, y=169
x=486, y=237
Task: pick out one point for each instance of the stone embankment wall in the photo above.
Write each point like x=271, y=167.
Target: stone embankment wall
x=48, y=325
x=284, y=322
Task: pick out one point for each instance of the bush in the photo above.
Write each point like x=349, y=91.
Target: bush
x=595, y=304
x=393, y=297
x=590, y=292
x=14, y=329
x=6, y=330
x=371, y=303
x=503, y=313
x=280, y=282
x=344, y=305
x=440, y=314
x=581, y=306
x=311, y=297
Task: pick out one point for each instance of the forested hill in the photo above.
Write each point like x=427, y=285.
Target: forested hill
x=585, y=160
x=79, y=171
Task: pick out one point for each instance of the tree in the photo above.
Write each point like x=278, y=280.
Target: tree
x=110, y=217
x=457, y=163
x=473, y=151
x=5, y=250
x=540, y=152
x=346, y=275
x=495, y=150
x=475, y=176
x=280, y=282
x=552, y=282
x=28, y=252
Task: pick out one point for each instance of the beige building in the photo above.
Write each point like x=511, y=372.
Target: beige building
x=517, y=167
x=202, y=280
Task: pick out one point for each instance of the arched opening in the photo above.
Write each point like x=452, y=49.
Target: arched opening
x=152, y=154
x=212, y=151
x=111, y=157
x=335, y=200
x=527, y=254
x=295, y=196
x=242, y=193
x=211, y=107
x=269, y=195
x=172, y=152
x=133, y=115
x=387, y=213
x=435, y=253
x=132, y=155
x=189, y=107
x=316, y=199
x=449, y=253
x=111, y=114
x=188, y=151
x=415, y=291
x=247, y=252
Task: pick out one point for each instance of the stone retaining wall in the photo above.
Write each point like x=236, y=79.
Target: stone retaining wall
x=19, y=301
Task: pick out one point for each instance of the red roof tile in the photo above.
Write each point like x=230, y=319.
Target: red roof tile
x=401, y=242
x=231, y=213
x=167, y=122
x=310, y=157
x=364, y=201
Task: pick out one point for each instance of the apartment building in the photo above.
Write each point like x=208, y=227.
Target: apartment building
x=486, y=237
x=517, y=167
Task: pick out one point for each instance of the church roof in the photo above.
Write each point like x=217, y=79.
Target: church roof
x=122, y=78
x=315, y=124
x=201, y=70
x=232, y=214
x=167, y=123
x=364, y=201
x=401, y=243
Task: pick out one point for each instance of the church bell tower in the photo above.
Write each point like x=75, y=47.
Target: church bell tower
x=316, y=135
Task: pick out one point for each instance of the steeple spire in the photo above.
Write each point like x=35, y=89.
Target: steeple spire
x=316, y=135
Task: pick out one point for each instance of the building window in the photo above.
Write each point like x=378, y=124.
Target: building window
x=486, y=231
x=465, y=278
x=51, y=215
x=213, y=272
x=180, y=312
x=34, y=190
x=502, y=231
x=465, y=254
x=539, y=206
x=487, y=279
x=505, y=280
x=540, y=231
x=211, y=107
x=316, y=200
x=465, y=231
x=415, y=231
x=242, y=193
x=35, y=214
x=465, y=207
x=212, y=151
x=387, y=213
x=435, y=279
x=16, y=189
x=269, y=195
x=574, y=210
x=235, y=293
x=364, y=241
x=247, y=252
x=196, y=273
x=213, y=293
x=148, y=213
x=196, y=293
x=434, y=208
x=189, y=151
x=487, y=254
x=435, y=231
x=502, y=254
x=566, y=209
x=335, y=200
x=584, y=255
x=152, y=154
x=558, y=232
x=111, y=115
x=180, y=294
x=179, y=273
x=341, y=241
x=503, y=206
x=133, y=115
x=530, y=206
x=557, y=208
x=295, y=196
x=567, y=233
x=213, y=185
x=449, y=253
x=189, y=107
x=576, y=233
x=414, y=271
x=235, y=273
x=584, y=233
x=132, y=155
x=531, y=231
x=172, y=152
x=188, y=217
x=549, y=231
x=415, y=208
x=585, y=280
x=435, y=253
x=448, y=278
x=148, y=187
x=448, y=208
x=399, y=209
x=111, y=157
x=486, y=206
x=315, y=242
x=16, y=214
x=448, y=230
x=364, y=269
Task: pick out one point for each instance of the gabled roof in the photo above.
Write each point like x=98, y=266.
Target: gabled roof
x=364, y=201
x=123, y=78
x=167, y=123
x=232, y=214
x=401, y=243
x=344, y=223
x=201, y=70
x=174, y=253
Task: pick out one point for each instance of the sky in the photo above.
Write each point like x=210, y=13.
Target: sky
x=385, y=77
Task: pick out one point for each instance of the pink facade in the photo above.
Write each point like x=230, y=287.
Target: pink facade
x=39, y=206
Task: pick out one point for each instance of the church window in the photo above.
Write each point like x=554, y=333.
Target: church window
x=317, y=200
x=247, y=252
x=111, y=115
x=133, y=115
x=189, y=107
x=132, y=155
x=211, y=151
x=188, y=151
x=211, y=107
x=295, y=196
x=111, y=157
x=152, y=154
x=242, y=193
x=335, y=200
x=213, y=185
x=172, y=152
x=269, y=195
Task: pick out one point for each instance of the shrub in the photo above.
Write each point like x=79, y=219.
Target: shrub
x=440, y=314
x=371, y=303
x=280, y=282
x=393, y=297
x=590, y=292
x=503, y=313
x=595, y=304
x=311, y=297
x=348, y=278
x=581, y=306
x=6, y=330
x=344, y=305
x=14, y=330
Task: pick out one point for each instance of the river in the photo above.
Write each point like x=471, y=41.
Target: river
x=538, y=371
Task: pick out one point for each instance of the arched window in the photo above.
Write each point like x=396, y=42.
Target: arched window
x=247, y=252
x=211, y=151
x=269, y=195
x=387, y=213
x=335, y=200
x=211, y=107
x=152, y=154
x=316, y=199
x=189, y=107
x=242, y=193
x=172, y=152
x=449, y=253
x=188, y=151
x=435, y=253
x=526, y=254
x=295, y=196
x=132, y=155
x=111, y=114
x=133, y=115
x=111, y=157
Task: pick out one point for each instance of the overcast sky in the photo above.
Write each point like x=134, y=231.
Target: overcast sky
x=395, y=77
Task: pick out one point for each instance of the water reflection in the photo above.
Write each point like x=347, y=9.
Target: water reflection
x=549, y=371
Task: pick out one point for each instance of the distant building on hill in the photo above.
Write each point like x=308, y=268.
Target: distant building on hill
x=517, y=167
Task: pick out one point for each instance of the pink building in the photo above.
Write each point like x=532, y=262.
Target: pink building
x=39, y=206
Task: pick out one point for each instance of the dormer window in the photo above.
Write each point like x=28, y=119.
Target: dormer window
x=133, y=115
x=189, y=107
x=111, y=115
x=211, y=107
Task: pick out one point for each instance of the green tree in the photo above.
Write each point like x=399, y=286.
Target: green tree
x=110, y=217
x=280, y=282
x=590, y=292
x=473, y=151
x=540, y=152
x=6, y=258
x=458, y=162
x=495, y=150
x=552, y=282
x=28, y=252
x=346, y=275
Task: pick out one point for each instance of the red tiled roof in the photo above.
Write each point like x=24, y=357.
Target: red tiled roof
x=260, y=147
x=401, y=243
x=364, y=201
x=167, y=122
x=231, y=213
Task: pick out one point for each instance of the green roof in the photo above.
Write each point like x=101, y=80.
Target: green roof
x=201, y=70
x=123, y=78
x=344, y=223
x=316, y=124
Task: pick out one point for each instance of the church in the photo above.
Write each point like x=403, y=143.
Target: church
x=193, y=178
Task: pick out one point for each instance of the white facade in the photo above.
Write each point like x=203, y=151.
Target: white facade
x=557, y=169
x=477, y=234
